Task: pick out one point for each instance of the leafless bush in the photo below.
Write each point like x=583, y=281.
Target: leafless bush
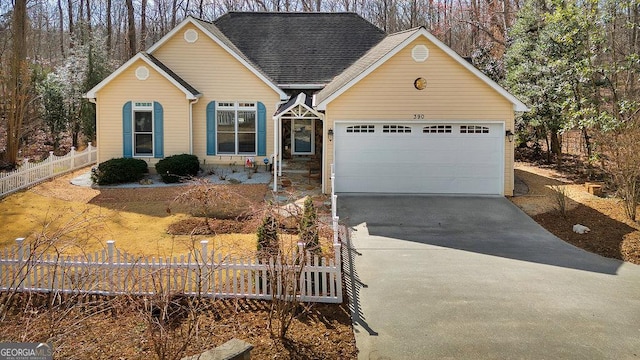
x=560, y=198
x=56, y=313
x=622, y=159
x=204, y=199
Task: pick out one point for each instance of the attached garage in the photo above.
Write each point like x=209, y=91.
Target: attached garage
x=419, y=157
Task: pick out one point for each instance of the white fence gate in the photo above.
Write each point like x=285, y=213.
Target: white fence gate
x=29, y=174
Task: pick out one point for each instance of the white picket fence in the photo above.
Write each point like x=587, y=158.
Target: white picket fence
x=202, y=273
x=29, y=174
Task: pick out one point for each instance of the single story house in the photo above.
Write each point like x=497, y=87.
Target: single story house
x=397, y=113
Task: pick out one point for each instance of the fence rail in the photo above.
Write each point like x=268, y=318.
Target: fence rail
x=203, y=272
x=29, y=174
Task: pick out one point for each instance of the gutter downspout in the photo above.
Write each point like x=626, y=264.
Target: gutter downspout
x=324, y=154
x=193, y=101
x=94, y=101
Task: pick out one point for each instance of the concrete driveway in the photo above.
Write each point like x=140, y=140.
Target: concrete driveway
x=475, y=278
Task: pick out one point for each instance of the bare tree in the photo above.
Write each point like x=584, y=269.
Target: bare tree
x=131, y=28
x=143, y=24
x=19, y=82
x=109, y=27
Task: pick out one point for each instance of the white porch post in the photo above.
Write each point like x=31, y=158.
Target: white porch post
x=324, y=154
x=276, y=149
x=280, y=146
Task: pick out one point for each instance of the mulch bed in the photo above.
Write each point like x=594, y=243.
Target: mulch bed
x=610, y=236
x=202, y=226
x=118, y=328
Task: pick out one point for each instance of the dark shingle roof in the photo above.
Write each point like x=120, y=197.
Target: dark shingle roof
x=300, y=48
x=170, y=72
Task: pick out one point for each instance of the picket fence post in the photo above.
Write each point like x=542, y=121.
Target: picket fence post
x=73, y=157
x=21, y=259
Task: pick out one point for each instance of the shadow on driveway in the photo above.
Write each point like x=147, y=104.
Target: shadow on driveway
x=485, y=225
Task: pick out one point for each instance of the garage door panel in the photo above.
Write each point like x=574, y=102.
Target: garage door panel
x=417, y=162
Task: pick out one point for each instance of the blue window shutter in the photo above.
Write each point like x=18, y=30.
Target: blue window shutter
x=158, y=130
x=262, y=129
x=211, y=128
x=127, y=128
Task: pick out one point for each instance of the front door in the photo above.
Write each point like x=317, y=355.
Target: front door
x=303, y=137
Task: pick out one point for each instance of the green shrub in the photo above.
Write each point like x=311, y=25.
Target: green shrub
x=117, y=171
x=172, y=168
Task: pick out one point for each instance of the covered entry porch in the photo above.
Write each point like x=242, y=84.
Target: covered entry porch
x=298, y=139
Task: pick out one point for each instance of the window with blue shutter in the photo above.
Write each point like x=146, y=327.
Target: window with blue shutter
x=262, y=129
x=158, y=130
x=127, y=141
x=211, y=128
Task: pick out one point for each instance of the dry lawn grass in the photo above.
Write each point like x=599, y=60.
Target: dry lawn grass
x=137, y=219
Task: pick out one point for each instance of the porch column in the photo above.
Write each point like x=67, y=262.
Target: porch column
x=280, y=146
x=276, y=149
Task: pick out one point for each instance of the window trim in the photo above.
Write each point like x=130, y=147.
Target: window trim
x=142, y=106
x=237, y=106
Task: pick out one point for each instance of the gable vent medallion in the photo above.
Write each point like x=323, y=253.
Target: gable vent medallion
x=191, y=36
x=142, y=73
x=420, y=53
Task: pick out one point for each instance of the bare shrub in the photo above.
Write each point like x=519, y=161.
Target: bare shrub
x=204, y=199
x=57, y=314
x=622, y=161
x=560, y=198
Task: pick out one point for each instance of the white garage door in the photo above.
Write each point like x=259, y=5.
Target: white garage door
x=429, y=158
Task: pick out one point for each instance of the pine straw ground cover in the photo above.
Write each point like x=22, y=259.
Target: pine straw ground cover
x=137, y=219
x=120, y=328
x=612, y=234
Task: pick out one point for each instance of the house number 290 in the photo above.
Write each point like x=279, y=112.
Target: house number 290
x=418, y=116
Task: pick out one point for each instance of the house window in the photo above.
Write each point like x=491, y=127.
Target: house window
x=396, y=129
x=143, y=129
x=437, y=129
x=473, y=129
x=236, y=128
x=361, y=129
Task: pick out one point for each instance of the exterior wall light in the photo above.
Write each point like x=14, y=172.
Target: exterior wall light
x=330, y=134
x=509, y=135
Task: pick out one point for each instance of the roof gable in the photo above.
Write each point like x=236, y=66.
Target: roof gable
x=225, y=43
x=385, y=50
x=189, y=91
x=300, y=48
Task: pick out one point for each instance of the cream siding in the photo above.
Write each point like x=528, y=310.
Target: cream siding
x=126, y=87
x=452, y=93
x=219, y=77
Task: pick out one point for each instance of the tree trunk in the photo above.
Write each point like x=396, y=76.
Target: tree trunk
x=109, y=27
x=587, y=143
x=143, y=24
x=174, y=12
x=70, y=14
x=556, y=147
x=61, y=24
x=131, y=29
x=18, y=82
x=88, y=18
